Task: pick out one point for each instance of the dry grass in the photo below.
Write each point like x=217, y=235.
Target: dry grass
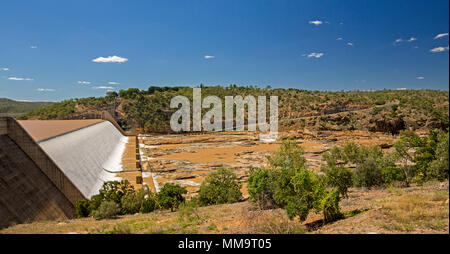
x=269, y=222
x=417, y=212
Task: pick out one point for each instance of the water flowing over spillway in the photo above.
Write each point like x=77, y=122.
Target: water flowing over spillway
x=88, y=156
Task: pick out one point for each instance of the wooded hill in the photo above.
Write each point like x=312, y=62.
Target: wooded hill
x=11, y=106
x=384, y=110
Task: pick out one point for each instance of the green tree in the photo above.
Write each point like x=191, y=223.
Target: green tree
x=334, y=156
x=292, y=186
x=368, y=174
x=339, y=177
x=289, y=156
x=171, y=196
x=427, y=153
x=221, y=186
x=114, y=190
x=82, y=208
x=262, y=186
x=439, y=167
x=402, y=153
x=308, y=192
x=112, y=95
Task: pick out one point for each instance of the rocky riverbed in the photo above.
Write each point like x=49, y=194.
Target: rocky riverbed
x=187, y=159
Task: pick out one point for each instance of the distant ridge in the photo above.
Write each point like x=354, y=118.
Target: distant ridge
x=8, y=106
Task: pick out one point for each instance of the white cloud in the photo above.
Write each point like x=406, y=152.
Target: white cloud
x=398, y=41
x=209, y=57
x=316, y=22
x=349, y=43
x=113, y=83
x=420, y=77
x=401, y=89
x=412, y=39
x=341, y=23
x=339, y=39
x=33, y=47
x=439, y=49
x=440, y=36
x=45, y=90
x=4, y=69
x=20, y=79
x=110, y=59
x=102, y=87
x=84, y=82
x=315, y=55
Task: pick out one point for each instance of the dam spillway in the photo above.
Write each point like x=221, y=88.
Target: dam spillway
x=47, y=166
x=88, y=156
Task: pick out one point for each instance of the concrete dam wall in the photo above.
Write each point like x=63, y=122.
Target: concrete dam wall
x=26, y=194
x=43, y=179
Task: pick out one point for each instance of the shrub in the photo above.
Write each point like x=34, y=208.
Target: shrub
x=368, y=174
x=376, y=110
x=148, y=203
x=330, y=206
x=334, y=156
x=293, y=187
x=366, y=152
x=107, y=210
x=283, y=185
x=262, y=186
x=114, y=190
x=340, y=178
x=308, y=194
x=296, y=206
x=171, y=196
x=130, y=203
x=219, y=187
x=82, y=208
x=289, y=155
x=392, y=174
x=351, y=152
x=95, y=203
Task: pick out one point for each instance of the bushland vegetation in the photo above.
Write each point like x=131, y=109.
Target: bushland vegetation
x=287, y=183
x=120, y=198
x=387, y=110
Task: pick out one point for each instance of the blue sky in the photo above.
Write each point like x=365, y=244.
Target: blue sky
x=54, y=50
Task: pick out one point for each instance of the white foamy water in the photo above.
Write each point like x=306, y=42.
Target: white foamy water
x=83, y=155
